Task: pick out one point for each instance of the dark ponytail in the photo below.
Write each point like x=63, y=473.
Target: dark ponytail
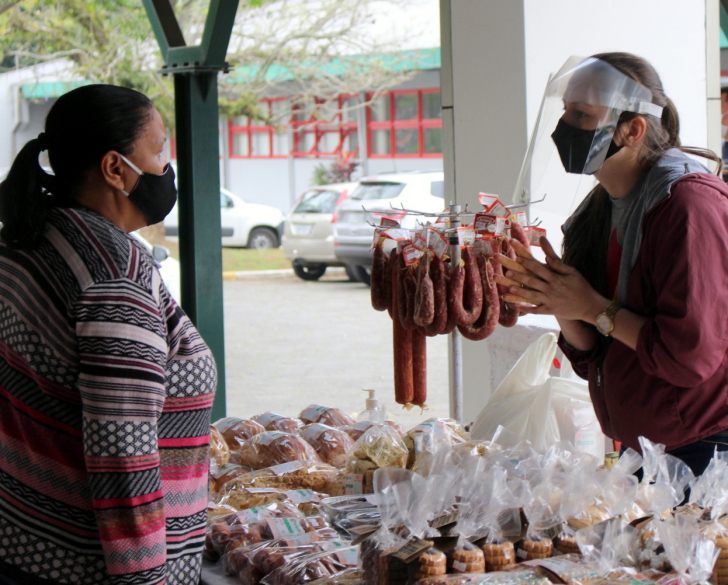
x=81, y=127
x=586, y=241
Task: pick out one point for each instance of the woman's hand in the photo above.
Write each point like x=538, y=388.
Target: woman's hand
x=552, y=288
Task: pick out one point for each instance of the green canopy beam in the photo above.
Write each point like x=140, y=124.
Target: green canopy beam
x=195, y=70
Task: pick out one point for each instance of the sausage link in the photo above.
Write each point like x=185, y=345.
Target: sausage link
x=378, y=275
x=402, y=344
x=449, y=281
x=508, y=311
x=406, y=289
x=518, y=233
x=466, y=298
x=391, y=275
x=485, y=324
x=439, y=285
x=424, y=310
x=419, y=368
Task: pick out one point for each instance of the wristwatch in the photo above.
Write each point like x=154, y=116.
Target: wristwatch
x=605, y=319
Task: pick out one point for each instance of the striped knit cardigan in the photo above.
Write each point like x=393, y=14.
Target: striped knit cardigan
x=105, y=396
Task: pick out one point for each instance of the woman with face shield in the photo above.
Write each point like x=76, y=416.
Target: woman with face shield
x=641, y=293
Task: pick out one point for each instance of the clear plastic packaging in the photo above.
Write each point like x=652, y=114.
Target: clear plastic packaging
x=236, y=430
x=326, y=415
x=241, y=497
x=223, y=475
x=331, y=444
x=692, y=555
x=219, y=450
x=361, y=427
x=318, y=477
x=272, y=421
x=271, y=448
x=430, y=444
x=608, y=545
x=380, y=446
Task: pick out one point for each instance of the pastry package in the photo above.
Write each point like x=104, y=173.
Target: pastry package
x=609, y=545
x=379, y=447
x=361, y=427
x=692, y=555
x=272, y=421
x=430, y=444
x=295, y=475
x=312, y=567
x=219, y=450
x=241, y=497
x=271, y=448
x=224, y=474
x=330, y=443
x=327, y=416
x=236, y=431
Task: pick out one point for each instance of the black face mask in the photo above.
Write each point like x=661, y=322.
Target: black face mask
x=154, y=195
x=575, y=144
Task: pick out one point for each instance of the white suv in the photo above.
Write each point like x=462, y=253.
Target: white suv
x=353, y=229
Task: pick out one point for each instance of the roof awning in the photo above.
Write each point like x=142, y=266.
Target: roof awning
x=50, y=89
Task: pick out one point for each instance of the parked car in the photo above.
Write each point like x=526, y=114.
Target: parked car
x=169, y=267
x=244, y=225
x=308, y=235
x=377, y=195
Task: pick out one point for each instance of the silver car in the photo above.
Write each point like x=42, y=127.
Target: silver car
x=308, y=233
x=377, y=195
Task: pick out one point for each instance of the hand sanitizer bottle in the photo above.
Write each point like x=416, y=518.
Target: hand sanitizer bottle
x=373, y=413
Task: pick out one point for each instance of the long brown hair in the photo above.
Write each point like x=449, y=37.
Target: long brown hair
x=586, y=240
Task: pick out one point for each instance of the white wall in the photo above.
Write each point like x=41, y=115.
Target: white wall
x=501, y=56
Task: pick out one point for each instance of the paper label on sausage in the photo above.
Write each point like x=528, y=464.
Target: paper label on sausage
x=285, y=527
x=354, y=484
x=396, y=234
x=303, y=496
x=483, y=245
x=412, y=254
x=466, y=236
x=437, y=243
x=522, y=218
x=534, y=234
x=493, y=206
x=284, y=468
x=388, y=222
x=500, y=226
x=268, y=417
x=402, y=243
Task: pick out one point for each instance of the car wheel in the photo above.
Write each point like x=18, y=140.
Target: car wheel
x=262, y=239
x=351, y=273
x=363, y=274
x=308, y=271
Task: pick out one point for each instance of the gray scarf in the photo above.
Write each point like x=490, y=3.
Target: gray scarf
x=652, y=188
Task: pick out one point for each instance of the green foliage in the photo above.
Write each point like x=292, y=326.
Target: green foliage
x=339, y=171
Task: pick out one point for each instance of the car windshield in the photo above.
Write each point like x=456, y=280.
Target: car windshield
x=316, y=201
x=378, y=190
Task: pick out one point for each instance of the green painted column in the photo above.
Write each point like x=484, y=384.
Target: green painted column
x=196, y=117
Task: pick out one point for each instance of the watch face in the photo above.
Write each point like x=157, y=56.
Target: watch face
x=604, y=323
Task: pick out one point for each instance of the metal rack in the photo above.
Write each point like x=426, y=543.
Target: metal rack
x=454, y=214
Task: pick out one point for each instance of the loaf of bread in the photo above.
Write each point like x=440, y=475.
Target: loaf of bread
x=271, y=448
x=327, y=416
x=237, y=430
x=277, y=422
x=219, y=450
x=224, y=474
x=330, y=443
x=303, y=475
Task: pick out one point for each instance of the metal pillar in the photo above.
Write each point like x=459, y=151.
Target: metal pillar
x=195, y=70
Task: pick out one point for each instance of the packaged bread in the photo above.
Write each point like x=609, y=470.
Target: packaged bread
x=272, y=421
x=306, y=568
x=241, y=497
x=223, y=475
x=271, y=448
x=330, y=443
x=327, y=416
x=219, y=450
x=236, y=431
x=379, y=446
x=361, y=427
x=430, y=563
x=429, y=440
x=295, y=475
x=465, y=557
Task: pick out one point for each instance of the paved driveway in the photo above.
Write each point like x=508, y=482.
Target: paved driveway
x=291, y=343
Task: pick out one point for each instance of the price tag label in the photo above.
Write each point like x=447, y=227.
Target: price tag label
x=411, y=549
x=412, y=254
x=285, y=527
x=492, y=205
x=284, y=468
x=466, y=236
x=303, y=496
x=354, y=484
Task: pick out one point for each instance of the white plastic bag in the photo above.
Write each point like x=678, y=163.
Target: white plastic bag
x=539, y=408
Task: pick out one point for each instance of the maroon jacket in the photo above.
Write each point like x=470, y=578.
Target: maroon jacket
x=673, y=388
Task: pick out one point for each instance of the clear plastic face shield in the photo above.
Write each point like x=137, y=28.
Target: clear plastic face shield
x=573, y=137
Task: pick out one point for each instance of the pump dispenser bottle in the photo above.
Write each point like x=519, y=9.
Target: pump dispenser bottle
x=374, y=412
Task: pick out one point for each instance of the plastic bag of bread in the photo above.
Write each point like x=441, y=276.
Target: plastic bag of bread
x=219, y=450
x=241, y=497
x=330, y=443
x=223, y=475
x=380, y=446
x=307, y=568
x=430, y=444
x=236, y=431
x=271, y=448
x=326, y=415
x=291, y=476
x=361, y=427
x=465, y=557
x=277, y=422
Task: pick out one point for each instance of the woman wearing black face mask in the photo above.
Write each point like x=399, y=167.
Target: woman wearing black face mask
x=641, y=294
x=105, y=385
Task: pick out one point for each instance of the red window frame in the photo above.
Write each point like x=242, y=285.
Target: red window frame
x=318, y=129
x=250, y=129
x=419, y=123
